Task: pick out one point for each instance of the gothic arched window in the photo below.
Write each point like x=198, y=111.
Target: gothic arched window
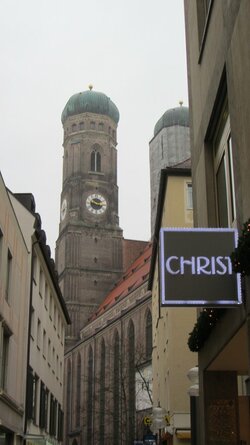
x=116, y=393
x=90, y=396
x=102, y=393
x=148, y=334
x=95, y=163
x=68, y=398
x=131, y=382
x=78, y=389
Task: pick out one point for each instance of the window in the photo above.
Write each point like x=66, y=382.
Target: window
x=116, y=385
x=46, y=408
x=81, y=125
x=46, y=296
x=55, y=316
x=100, y=126
x=95, y=161
x=35, y=398
x=4, y=355
x=92, y=125
x=60, y=424
x=42, y=415
x=90, y=396
x=224, y=175
x=78, y=388
x=189, y=195
x=35, y=268
x=50, y=306
x=131, y=382
x=38, y=334
x=148, y=334
x=32, y=323
x=58, y=324
x=74, y=127
x=68, y=399
x=41, y=282
x=61, y=373
x=49, y=352
x=102, y=394
x=44, y=343
x=30, y=393
x=53, y=360
x=53, y=416
x=8, y=276
x=203, y=14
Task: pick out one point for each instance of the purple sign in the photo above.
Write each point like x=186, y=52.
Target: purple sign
x=195, y=268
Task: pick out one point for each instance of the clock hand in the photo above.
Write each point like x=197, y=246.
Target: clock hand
x=97, y=203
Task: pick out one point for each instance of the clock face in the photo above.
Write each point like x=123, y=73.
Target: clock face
x=96, y=204
x=63, y=209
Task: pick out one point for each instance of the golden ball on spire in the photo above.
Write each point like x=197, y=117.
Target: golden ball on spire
x=90, y=87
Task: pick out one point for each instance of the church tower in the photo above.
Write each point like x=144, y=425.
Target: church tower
x=89, y=246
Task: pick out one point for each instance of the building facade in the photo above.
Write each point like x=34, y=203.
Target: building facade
x=33, y=321
x=171, y=358
x=14, y=303
x=46, y=324
x=108, y=374
x=218, y=56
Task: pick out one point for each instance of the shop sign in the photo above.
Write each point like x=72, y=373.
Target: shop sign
x=196, y=269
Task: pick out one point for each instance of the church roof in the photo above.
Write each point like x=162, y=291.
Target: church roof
x=90, y=102
x=174, y=116
x=134, y=277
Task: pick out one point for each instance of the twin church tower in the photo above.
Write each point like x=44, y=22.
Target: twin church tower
x=89, y=248
x=91, y=253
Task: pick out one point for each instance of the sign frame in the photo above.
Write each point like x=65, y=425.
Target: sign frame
x=165, y=277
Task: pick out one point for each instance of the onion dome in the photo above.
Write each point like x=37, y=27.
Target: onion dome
x=174, y=116
x=90, y=102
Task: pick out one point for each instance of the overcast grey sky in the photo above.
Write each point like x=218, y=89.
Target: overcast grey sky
x=131, y=50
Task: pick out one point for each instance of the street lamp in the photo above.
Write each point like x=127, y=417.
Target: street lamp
x=159, y=421
x=193, y=375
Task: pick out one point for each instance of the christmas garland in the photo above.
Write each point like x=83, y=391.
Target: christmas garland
x=203, y=327
x=241, y=256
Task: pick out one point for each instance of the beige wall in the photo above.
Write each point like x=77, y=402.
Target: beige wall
x=171, y=326
x=13, y=315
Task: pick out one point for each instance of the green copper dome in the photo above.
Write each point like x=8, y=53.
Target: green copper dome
x=90, y=102
x=175, y=116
